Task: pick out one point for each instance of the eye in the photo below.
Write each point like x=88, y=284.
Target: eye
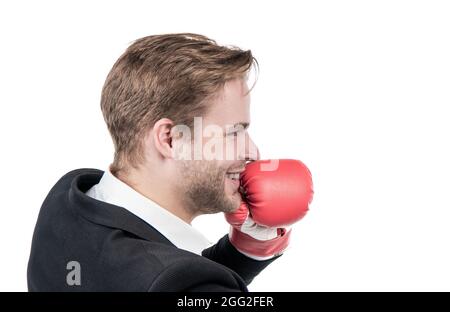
x=232, y=134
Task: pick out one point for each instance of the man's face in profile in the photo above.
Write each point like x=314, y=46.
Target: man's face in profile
x=210, y=183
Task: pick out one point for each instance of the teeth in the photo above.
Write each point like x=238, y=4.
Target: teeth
x=233, y=176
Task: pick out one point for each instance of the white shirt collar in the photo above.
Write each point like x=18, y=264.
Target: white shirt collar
x=112, y=190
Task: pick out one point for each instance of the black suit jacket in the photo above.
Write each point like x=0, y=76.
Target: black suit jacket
x=118, y=251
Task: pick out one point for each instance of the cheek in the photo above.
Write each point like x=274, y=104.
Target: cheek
x=232, y=148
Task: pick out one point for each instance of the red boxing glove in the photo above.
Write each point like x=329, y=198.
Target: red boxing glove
x=276, y=194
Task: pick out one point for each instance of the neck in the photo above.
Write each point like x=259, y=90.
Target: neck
x=155, y=188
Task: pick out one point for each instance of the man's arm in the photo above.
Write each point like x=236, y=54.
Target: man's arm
x=226, y=254
x=197, y=274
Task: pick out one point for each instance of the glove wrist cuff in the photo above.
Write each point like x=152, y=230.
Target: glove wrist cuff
x=260, y=248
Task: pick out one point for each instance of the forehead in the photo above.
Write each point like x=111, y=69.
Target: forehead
x=232, y=104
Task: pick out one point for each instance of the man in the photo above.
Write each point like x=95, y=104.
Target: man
x=129, y=228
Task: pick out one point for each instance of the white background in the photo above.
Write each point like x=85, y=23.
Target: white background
x=358, y=90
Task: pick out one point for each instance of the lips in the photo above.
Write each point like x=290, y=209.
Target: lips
x=236, y=171
x=234, y=178
x=232, y=175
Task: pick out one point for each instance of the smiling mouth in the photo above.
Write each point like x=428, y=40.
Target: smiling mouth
x=233, y=176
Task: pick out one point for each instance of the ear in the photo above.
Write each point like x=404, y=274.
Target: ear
x=162, y=137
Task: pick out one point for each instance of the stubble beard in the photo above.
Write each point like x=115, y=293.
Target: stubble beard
x=202, y=185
